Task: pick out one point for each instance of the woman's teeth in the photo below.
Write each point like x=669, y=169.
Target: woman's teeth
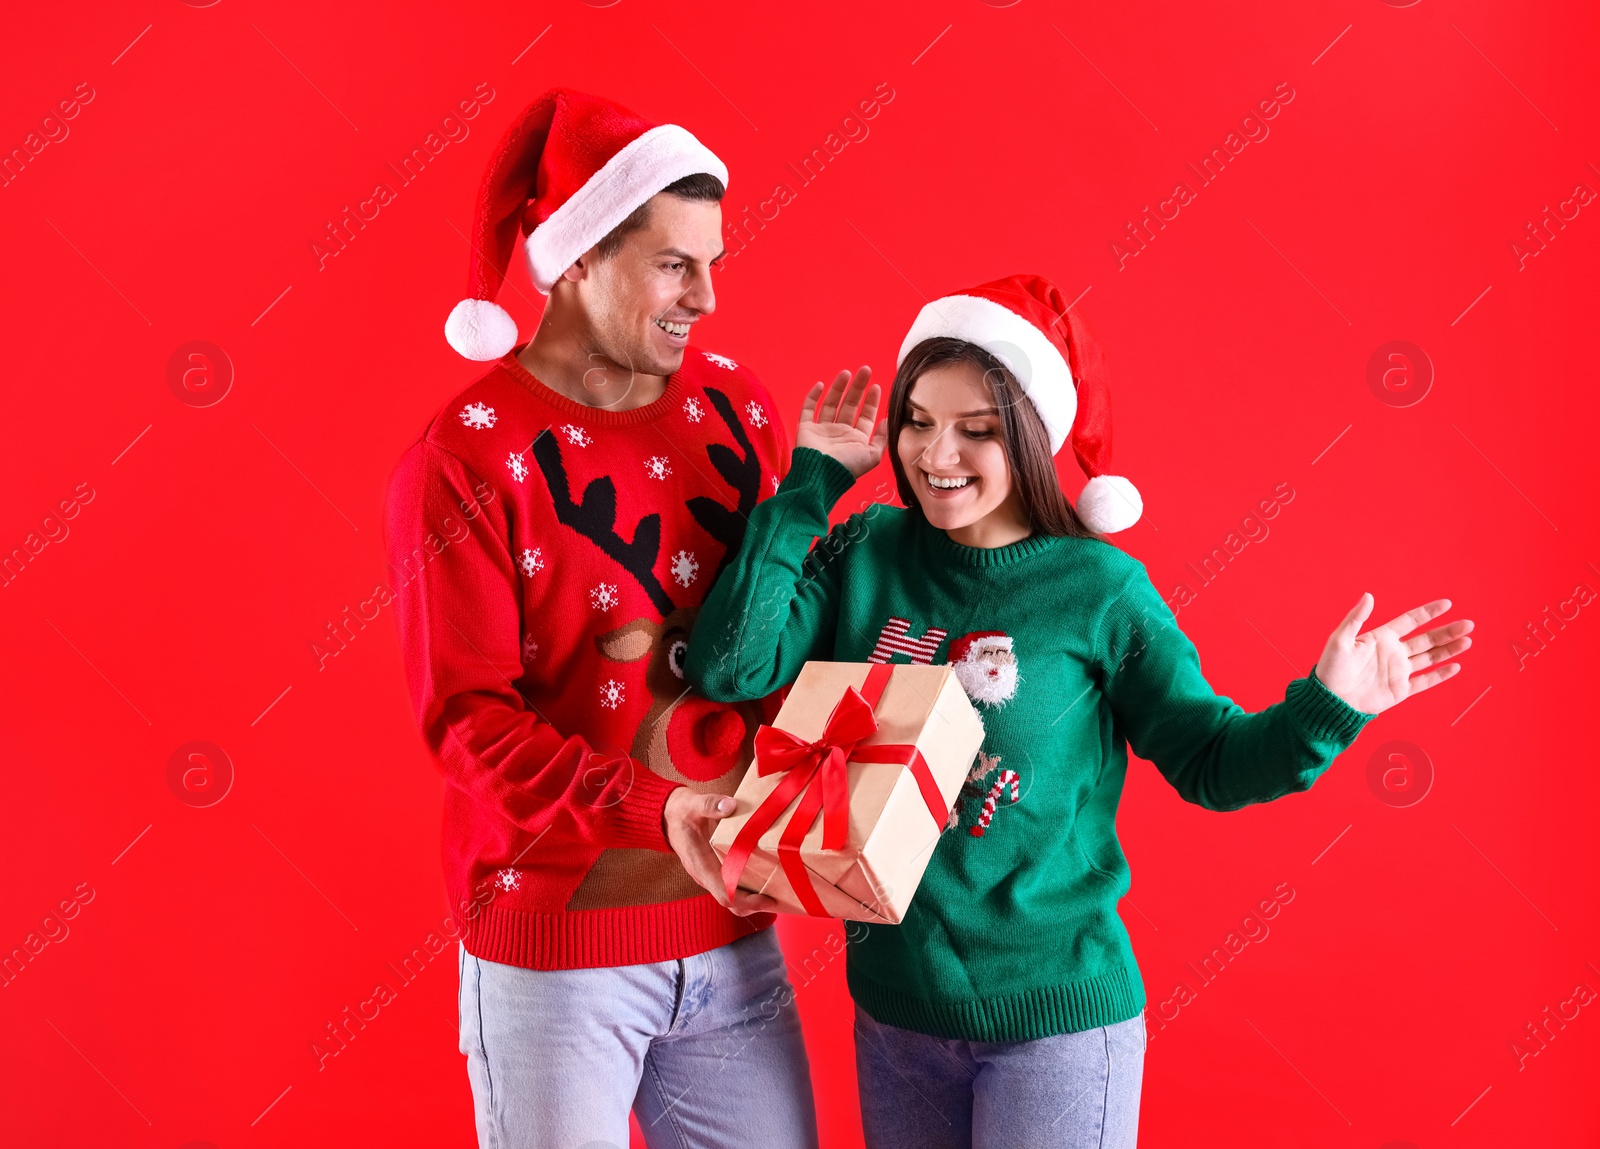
x=679, y=329
x=951, y=484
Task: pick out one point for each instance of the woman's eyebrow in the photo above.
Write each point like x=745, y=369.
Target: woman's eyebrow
x=964, y=415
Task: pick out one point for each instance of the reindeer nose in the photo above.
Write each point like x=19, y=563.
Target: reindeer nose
x=721, y=733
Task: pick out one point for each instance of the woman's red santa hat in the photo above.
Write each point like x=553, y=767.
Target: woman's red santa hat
x=1024, y=321
x=568, y=171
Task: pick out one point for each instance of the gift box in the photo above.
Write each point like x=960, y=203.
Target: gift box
x=851, y=787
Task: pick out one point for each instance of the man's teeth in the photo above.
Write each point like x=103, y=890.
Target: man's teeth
x=949, y=484
x=673, y=328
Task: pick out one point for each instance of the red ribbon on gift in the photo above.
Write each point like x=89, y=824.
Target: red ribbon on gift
x=816, y=774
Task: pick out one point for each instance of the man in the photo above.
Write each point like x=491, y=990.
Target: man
x=604, y=471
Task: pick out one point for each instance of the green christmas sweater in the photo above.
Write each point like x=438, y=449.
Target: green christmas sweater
x=1071, y=657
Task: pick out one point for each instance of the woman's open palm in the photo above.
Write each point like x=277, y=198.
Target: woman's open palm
x=827, y=425
x=1378, y=669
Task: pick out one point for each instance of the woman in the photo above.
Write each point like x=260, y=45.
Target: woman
x=1006, y=1009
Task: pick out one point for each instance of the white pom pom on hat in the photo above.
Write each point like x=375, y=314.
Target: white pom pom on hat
x=1024, y=321
x=480, y=329
x=569, y=169
x=1109, y=503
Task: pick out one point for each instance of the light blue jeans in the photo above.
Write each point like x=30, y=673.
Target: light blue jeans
x=706, y=1051
x=1073, y=1091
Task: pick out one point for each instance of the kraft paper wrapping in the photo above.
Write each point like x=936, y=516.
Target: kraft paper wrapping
x=892, y=833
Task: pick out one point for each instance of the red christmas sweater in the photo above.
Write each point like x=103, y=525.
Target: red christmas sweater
x=548, y=560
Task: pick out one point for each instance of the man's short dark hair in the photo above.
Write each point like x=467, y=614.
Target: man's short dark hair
x=701, y=187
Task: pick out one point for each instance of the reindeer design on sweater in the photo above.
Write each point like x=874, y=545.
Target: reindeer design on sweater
x=705, y=745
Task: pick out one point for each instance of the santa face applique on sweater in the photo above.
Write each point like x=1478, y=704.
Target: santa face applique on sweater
x=985, y=663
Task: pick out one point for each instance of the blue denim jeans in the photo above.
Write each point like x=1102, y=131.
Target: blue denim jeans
x=1072, y=1091
x=706, y=1051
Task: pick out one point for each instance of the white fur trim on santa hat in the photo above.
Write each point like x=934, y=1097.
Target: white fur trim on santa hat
x=1023, y=348
x=663, y=155
x=480, y=329
x=1109, y=503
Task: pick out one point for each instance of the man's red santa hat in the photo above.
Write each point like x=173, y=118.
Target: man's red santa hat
x=1024, y=321
x=568, y=171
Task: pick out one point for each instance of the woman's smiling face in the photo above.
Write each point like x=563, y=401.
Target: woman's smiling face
x=952, y=447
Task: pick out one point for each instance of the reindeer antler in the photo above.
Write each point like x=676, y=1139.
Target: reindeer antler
x=743, y=474
x=595, y=518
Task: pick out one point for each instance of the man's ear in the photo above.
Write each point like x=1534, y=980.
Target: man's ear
x=579, y=269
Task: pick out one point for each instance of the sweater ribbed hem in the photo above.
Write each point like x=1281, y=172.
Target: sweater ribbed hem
x=636, y=820
x=809, y=468
x=1043, y=1012
x=591, y=939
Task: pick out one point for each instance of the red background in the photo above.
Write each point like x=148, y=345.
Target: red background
x=1421, y=940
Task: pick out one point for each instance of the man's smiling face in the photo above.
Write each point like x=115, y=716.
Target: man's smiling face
x=643, y=300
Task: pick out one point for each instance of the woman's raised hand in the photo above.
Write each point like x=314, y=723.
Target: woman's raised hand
x=1376, y=670
x=828, y=425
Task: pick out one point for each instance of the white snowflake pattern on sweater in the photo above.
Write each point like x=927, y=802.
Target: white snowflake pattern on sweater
x=576, y=435
x=757, y=415
x=508, y=880
x=518, y=465
x=604, y=596
x=721, y=361
x=685, y=568
x=658, y=466
x=612, y=693
x=692, y=409
x=478, y=416
x=531, y=561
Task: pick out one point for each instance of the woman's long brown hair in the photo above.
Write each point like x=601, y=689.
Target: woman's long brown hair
x=1027, y=444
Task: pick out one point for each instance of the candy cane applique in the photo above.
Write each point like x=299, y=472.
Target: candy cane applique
x=1006, y=778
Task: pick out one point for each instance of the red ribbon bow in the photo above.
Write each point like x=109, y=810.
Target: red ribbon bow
x=816, y=774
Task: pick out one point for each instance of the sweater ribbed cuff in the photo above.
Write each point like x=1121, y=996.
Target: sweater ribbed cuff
x=636, y=820
x=821, y=473
x=1322, y=714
